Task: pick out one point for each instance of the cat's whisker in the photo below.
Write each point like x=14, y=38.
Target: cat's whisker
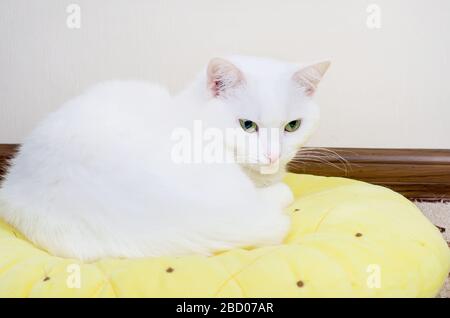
x=324, y=153
x=328, y=151
x=335, y=154
x=311, y=156
x=323, y=162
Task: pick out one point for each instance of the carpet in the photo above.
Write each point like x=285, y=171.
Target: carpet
x=439, y=214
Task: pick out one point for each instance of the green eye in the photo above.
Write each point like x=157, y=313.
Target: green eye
x=292, y=125
x=248, y=125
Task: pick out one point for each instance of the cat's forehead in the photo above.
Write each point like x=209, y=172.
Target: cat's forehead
x=269, y=95
x=270, y=99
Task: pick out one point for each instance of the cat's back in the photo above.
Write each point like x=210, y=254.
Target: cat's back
x=89, y=131
x=105, y=114
x=111, y=102
x=128, y=94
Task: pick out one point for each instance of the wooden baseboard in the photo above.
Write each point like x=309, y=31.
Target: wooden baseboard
x=7, y=151
x=421, y=174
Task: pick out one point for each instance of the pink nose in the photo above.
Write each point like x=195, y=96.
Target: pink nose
x=273, y=157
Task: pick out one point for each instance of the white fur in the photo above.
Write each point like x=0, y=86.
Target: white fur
x=95, y=179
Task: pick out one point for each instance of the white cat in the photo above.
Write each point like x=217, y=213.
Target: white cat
x=97, y=178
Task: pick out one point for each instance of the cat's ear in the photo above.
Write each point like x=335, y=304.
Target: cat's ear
x=222, y=75
x=309, y=77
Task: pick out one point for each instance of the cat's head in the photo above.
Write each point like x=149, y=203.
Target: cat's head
x=271, y=106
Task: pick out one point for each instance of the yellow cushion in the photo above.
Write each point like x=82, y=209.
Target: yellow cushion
x=348, y=238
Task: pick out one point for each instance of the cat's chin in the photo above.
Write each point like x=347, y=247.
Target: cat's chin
x=264, y=175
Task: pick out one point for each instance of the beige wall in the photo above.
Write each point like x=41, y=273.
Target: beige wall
x=388, y=87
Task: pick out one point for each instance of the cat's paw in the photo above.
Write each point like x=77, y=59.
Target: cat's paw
x=273, y=228
x=279, y=193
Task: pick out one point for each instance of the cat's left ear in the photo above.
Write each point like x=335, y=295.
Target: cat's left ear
x=222, y=76
x=309, y=77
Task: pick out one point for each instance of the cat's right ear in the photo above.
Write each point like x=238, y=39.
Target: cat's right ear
x=309, y=77
x=222, y=76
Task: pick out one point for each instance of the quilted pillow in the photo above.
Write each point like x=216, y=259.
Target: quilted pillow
x=347, y=239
